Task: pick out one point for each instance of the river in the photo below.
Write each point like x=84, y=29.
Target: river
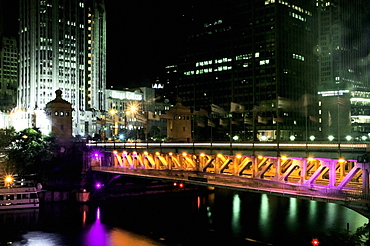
x=222, y=217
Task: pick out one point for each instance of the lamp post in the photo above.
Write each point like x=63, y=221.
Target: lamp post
x=131, y=110
x=114, y=128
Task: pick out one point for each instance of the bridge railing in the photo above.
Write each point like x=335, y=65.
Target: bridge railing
x=325, y=149
x=265, y=186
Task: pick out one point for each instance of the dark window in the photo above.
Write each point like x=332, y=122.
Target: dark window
x=9, y=197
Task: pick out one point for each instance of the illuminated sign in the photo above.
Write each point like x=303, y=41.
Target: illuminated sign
x=126, y=95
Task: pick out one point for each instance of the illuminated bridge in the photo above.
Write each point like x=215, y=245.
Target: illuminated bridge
x=329, y=172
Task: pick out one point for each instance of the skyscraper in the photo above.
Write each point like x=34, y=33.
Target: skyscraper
x=255, y=63
x=343, y=47
x=62, y=46
x=8, y=73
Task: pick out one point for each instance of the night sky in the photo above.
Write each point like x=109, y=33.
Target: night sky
x=142, y=38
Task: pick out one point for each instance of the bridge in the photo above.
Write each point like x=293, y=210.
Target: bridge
x=328, y=172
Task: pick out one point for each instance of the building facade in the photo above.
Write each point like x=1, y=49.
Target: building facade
x=8, y=73
x=256, y=55
x=133, y=114
x=344, y=89
x=62, y=46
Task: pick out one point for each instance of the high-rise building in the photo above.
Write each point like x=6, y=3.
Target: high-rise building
x=8, y=73
x=62, y=46
x=344, y=88
x=253, y=64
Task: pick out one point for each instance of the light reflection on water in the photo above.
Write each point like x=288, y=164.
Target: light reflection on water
x=180, y=219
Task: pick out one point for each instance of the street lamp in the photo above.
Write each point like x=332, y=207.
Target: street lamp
x=8, y=181
x=131, y=110
x=114, y=127
x=349, y=138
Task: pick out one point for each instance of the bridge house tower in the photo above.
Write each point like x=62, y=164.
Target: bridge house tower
x=179, y=123
x=59, y=114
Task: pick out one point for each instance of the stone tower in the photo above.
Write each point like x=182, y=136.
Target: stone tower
x=179, y=123
x=59, y=114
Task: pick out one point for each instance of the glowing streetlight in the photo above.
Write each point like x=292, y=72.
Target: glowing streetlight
x=292, y=138
x=312, y=138
x=8, y=181
x=132, y=109
x=331, y=138
x=114, y=127
x=349, y=138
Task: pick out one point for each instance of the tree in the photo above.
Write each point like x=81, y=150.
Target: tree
x=28, y=151
x=343, y=237
x=6, y=135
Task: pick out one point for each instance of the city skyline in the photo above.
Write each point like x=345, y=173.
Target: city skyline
x=136, y=32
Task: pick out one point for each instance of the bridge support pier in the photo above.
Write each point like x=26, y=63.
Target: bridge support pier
x=365, y=180
x=303, y=171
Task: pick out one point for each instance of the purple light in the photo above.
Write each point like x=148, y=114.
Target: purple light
x=96, y=155
x=98, y=185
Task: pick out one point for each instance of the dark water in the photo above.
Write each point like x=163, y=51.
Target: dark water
x=191, y=218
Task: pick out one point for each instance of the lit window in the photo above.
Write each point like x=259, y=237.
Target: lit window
x=264, y=62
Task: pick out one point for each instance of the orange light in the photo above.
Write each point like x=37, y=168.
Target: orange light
x=341, y=160
x=239, y=156
x=284, y=157
x=124, y=153
x=202, y=154
x=260, y=157
x=219, y=155
x=184, y=154
x=115, y=152
x=170, y=153
x=145, y=152
x=157, y=153
x=310, y=159
x=8, y=179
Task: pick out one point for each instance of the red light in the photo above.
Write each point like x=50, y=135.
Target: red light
x=175, y=184
x=181, y=185
x=84, y=190
x=315, y=242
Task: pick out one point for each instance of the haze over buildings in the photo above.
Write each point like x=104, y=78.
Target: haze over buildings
x=259, y=69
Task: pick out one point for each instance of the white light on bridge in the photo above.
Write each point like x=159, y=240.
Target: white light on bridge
x=349, y=138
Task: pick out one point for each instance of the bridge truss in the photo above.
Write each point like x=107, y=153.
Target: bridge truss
x=339, y=180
